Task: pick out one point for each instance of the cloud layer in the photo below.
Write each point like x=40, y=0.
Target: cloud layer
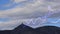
x=23, y=10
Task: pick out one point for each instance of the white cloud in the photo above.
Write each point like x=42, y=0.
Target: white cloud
x=30, y=10
x=17, y=1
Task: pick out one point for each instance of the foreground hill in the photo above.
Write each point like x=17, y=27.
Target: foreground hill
x=23, y=29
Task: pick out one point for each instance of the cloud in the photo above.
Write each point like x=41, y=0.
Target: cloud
x=18, y=14
x=28, y=9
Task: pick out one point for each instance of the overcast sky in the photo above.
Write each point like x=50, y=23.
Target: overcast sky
x=14, y=12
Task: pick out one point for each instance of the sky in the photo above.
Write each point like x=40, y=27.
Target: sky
x=15, y=12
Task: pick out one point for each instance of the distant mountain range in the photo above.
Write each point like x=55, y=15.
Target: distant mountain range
x=23, y=29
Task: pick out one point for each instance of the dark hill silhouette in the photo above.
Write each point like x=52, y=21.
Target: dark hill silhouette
x=48, y=30
x=23, y=29
x=5, y=32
